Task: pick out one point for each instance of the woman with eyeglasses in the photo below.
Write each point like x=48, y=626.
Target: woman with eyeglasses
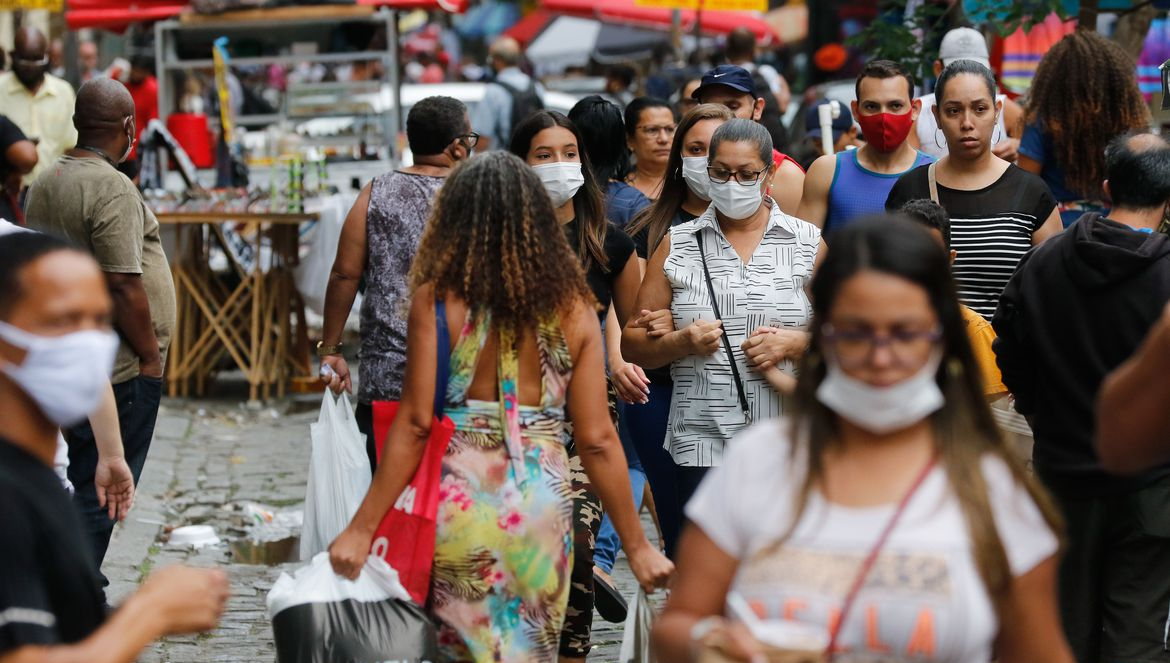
x=649, y=129
x=723, y=303
x=884, y=518
x=551, y=144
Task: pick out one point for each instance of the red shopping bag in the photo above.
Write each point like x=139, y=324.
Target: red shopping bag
x=406, y=536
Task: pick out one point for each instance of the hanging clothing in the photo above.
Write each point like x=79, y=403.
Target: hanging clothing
x=504, y=538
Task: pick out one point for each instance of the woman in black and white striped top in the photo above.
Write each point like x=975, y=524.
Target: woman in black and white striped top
x=998, y=211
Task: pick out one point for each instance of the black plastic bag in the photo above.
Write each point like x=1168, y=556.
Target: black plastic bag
x=319, y=617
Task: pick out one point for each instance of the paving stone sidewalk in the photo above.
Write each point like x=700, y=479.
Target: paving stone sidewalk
x=207, y=459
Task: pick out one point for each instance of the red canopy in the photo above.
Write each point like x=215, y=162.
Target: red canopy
x=530, y=27
x=115, y=14
x=626, y=12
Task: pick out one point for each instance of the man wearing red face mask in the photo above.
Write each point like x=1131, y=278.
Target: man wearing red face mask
x=852, y=184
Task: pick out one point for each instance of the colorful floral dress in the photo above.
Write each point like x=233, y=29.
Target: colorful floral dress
x=504, y=543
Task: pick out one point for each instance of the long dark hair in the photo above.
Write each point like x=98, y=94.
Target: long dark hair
x=657, y=218
x=964, y=430
x=1085, y=92
x=601, y=126
x=493, y=241
x=587, y=204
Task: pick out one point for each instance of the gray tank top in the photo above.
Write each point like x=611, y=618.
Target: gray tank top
x=399, y=206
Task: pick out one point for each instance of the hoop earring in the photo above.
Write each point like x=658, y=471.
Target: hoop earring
x=995, y=140
x=937, y=133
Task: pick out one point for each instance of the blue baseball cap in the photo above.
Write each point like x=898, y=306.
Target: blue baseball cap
x=727, y=75
x=841, y=124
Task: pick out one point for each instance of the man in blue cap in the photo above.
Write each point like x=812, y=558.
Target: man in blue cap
x=733, y=87
x=843, y=130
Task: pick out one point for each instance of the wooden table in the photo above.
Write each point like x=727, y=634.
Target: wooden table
x=246, y=315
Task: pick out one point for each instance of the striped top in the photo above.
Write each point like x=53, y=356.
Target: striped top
x=991, y=228
x=767, y=291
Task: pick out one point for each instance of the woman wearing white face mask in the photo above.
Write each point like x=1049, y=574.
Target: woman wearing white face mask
x=550, y=143
x=885, y=518
x=733, y=283
x=684, y=197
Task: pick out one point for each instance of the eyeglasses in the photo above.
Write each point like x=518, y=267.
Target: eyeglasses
x=43, y=62
x=744, y=177
x=653, y=132
x=472, y=139
x=854, y=347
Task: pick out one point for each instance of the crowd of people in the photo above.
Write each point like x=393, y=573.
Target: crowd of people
x=815, y=381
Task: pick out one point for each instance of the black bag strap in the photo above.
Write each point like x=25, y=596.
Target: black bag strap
x=743, y=401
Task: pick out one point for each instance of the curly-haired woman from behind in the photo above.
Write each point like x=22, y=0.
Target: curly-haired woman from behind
x=1085, y=93
x=526, y=348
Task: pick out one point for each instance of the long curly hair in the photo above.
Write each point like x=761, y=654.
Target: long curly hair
x=1085, y=92
x=493, y=241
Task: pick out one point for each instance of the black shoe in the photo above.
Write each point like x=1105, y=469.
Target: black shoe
x=608, y=600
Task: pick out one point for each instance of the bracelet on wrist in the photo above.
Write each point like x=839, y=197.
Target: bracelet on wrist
x=324, y=350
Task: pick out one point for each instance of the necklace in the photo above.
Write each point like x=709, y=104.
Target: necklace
x=100, y=153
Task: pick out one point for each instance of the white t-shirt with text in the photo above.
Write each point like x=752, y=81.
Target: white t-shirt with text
x=923, y=600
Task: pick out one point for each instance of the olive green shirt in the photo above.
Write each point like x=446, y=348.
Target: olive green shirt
x=90, y=203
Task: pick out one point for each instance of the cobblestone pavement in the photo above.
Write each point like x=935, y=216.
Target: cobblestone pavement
x=207, y=459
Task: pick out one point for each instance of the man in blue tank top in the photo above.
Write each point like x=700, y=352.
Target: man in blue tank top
x=852, y=184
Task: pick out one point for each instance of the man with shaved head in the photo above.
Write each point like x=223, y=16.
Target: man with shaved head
x=512, y=93
x=84, y=198
x=37, y=101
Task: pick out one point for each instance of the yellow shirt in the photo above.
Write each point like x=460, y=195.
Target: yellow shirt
x=981, y=334
x=46, y=117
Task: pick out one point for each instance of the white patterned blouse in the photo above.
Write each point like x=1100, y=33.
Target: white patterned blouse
x=769, y=290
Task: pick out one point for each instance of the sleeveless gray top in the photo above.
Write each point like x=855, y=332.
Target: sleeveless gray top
x=399, y=206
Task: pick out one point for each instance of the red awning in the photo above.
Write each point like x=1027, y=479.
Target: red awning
x=115, y=14
x=530, y=27
x=626, y=12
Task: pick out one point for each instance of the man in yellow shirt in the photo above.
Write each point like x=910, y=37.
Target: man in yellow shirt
x=38, y=102
x=979, y=330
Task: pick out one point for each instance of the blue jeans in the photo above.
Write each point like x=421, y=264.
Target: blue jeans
x=608, y=542
x=137, y=400
x=646, y=425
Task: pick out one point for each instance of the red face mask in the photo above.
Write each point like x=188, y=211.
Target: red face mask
x=885, y=131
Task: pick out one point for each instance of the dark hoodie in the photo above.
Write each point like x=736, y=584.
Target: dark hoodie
x=1077, y=307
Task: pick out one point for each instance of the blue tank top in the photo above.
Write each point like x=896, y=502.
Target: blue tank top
x=857, y=191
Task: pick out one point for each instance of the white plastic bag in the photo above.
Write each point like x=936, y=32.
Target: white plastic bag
x=636, y=636
x=317, y=583
x=319, y=617
x=339, y=475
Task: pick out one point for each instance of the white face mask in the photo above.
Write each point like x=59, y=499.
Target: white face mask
x=694, y=171
x=882, y=410
x=65, y=375
x=734, y=200
x=562, y=180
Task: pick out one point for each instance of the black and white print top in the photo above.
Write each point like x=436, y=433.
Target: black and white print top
x=991, y=228
x=399, y=206
x=767, y=291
